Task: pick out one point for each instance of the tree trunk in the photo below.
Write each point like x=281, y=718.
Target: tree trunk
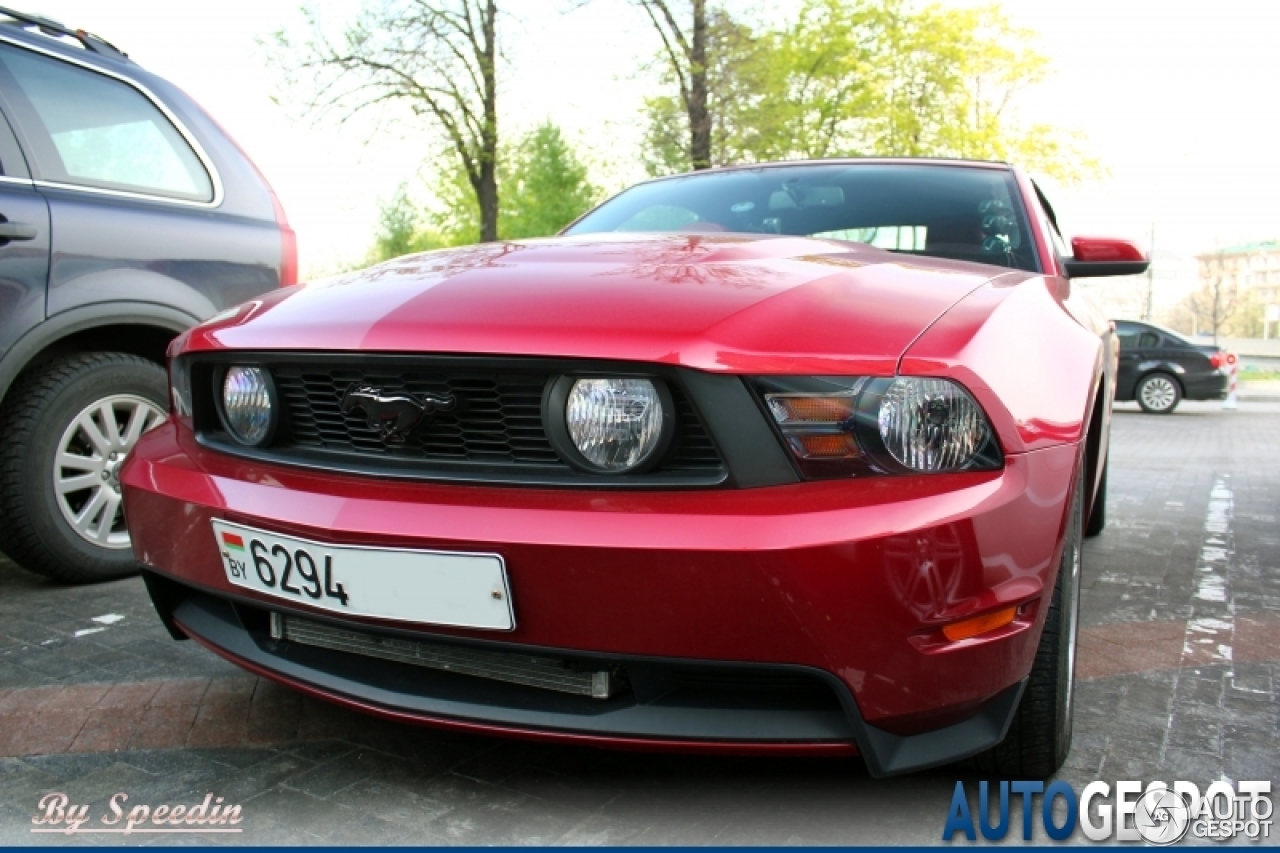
x=487, y=192
x=487, y=197
x=699, y=113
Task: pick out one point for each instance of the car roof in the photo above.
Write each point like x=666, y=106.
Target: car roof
x=995, y=165
x=53, y=37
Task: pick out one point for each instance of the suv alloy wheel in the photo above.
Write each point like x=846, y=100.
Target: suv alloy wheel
x=68, y=425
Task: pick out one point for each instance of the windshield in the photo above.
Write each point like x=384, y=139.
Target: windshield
x=963, y=213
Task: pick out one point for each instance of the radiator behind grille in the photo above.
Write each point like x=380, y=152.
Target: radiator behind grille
x=529, y=670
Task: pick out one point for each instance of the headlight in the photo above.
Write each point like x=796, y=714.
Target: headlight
x=931, y=424
x=851, y=426
x=248, y=406
x=609, y=425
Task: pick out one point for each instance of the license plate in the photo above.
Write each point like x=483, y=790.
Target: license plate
x=429, y=587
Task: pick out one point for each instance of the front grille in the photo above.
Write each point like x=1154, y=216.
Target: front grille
x=495, y=432
x=498, y=419
x=529, y=670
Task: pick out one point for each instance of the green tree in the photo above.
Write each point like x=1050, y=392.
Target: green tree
x=687, y=57
x=402, y=231
x=547, y=185
x=741, y=87
x=397, y=225
x=544, y=186
x=453, y=213
x=867, y=77
x=943, y=83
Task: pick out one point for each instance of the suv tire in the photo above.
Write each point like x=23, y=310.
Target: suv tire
x=1039, y=737
x=65, y=521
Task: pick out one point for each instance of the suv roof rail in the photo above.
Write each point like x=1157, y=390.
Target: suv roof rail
x=50, y=27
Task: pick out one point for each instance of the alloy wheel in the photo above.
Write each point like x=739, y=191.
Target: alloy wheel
x=85, y=478
x=1158, y=393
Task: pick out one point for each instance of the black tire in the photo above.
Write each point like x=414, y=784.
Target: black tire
x=37, y=422
x=1098, y=514
x=1039, y=737
x=1158, y=393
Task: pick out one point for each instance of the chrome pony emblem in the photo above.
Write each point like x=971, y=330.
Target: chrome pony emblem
x=394, y=416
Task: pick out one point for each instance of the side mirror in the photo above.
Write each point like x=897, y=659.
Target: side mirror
x=1099, y=256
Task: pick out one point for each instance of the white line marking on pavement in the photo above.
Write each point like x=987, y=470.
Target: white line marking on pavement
x=1208, y=638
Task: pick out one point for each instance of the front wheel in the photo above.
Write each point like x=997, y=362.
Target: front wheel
x=1039, y=737
x=1158, y=393
x=1098, y=514
x=67, y=427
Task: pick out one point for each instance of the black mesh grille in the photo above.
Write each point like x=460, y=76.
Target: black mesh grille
x=497, y=420
x=498, y=417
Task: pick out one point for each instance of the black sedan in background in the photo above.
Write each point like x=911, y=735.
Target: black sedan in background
x=1159, y=368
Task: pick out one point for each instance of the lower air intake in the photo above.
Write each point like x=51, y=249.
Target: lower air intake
x=529, y=670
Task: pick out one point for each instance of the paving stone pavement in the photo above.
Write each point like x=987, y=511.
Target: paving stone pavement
x=1179, y=654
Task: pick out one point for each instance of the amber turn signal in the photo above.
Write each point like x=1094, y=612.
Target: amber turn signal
x=811, y=409
x=979, y=624
x=821, y=446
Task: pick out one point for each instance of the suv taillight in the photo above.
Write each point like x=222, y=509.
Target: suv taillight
x=288, y=244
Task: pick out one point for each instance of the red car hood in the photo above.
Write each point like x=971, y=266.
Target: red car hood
x=716, y=302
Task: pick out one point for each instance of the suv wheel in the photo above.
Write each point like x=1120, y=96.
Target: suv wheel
x=1158, y=393
x=67, y=427
x=1039, y=737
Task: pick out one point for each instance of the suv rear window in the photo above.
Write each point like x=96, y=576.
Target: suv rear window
x=91, y=130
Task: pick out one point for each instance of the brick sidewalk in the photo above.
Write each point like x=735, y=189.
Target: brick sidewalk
x=198, y=712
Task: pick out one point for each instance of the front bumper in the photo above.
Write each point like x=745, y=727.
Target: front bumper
x=845, y=584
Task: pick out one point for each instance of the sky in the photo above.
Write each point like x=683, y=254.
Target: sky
x=1179, y=101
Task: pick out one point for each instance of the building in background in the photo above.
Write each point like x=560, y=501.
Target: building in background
x=1237, y=285
x=1249, y=268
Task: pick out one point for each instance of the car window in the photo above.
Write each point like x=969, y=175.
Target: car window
x=95, y=131
x=12, y=163
x=660, y=217
x=1148, y=340
x=1172, y=338
x=895, y=238
x=960, y=212
x=1128, y=337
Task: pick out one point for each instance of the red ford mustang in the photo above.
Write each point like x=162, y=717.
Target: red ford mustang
x=787, y=459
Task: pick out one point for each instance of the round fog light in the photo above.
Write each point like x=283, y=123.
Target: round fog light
x=247, y=409
x=616, y=424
